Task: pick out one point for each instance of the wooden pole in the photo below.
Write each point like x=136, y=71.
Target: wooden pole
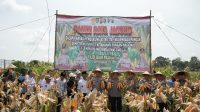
x=4, y=64
x=55, y=40
x=150, y=45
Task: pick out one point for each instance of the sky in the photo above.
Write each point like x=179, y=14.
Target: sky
x=30, y=42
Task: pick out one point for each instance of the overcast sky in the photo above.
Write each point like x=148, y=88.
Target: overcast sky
x=26, y=42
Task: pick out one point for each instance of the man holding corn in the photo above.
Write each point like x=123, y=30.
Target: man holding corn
x=114, y=87
x=131, y=82
x=160, y=79
x=97, y=82
x=182, y=77
x=160, y=83
x=146, y=84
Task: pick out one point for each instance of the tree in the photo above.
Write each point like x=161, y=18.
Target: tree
x=39, y=66
x=194, y=64
x=178, y=64
x=19, y=65
x=161, y=61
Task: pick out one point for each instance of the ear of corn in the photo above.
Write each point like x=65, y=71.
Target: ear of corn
x=109, y=86
x=132, y=83
x=119, y=85
x=183, y=98
x=102, y=85
x=88, y=84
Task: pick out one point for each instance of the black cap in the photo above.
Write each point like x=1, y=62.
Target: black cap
x=63, y=74
x=84, y=72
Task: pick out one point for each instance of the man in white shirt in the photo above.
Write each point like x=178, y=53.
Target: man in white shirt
x=30, y=82
x=46, y=85
x=82, y=84
x=71, y=85
x=52, y=81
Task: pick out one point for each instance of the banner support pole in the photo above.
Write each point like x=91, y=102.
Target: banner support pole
x=55, y=40
x=150, y=46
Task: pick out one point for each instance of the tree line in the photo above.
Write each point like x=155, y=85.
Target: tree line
x=159, y=62
x=177, y=64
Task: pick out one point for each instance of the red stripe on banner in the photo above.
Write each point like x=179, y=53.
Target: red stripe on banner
x=144, y=17
x=68, y=16
x=71, y=17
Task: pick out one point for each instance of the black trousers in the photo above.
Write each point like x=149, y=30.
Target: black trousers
x=59, y=104
x=162, y=106
x=84, y=94
x=115, y=104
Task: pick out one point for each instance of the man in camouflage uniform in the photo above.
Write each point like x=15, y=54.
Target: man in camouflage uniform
x=114, y=88
x=182, y=77
x=146, y=83
x=131, y=83
x=161, y=81
x=97, y=81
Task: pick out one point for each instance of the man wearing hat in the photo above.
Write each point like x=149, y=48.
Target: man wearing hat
x=182, y=77
x=97, y=81
x=10, y=74
x=71, y=85
x=114, y=92
x=132, y=84
x=82, y=84
x=160, y=79
x=46, y=85
x=50, y=73
x=146, y=84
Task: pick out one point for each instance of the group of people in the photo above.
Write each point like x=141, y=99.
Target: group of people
x=70, y=83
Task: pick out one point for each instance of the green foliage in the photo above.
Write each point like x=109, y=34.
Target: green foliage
x=167, y=71
x=194, y=64
x=195, y=75
x=161, y=61
x=39, y=67
x=178, y=64
x=19, y=65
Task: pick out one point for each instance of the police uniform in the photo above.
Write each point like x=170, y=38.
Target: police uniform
x=130, y=87
x=96, y=83
x=149, y=81
x=131, y=83
x=97, y=80
x=115, y=94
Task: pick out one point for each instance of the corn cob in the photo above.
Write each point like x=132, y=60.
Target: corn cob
x=109, y=85
x=88, y=84
x=119, y=85
x=102, y=85
x=132, y=83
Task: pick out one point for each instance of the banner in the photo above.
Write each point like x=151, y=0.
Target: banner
x=108, y=43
